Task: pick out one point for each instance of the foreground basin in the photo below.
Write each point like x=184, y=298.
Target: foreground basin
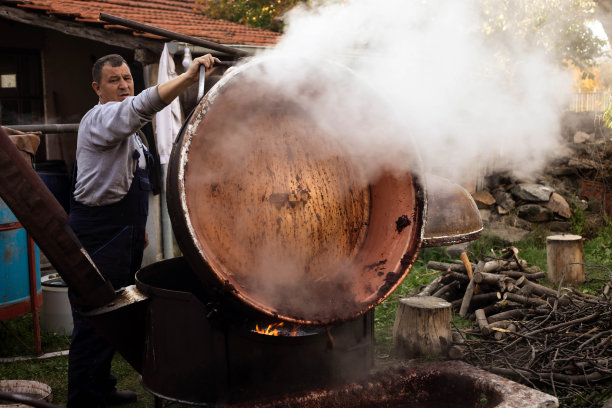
x=438, y=385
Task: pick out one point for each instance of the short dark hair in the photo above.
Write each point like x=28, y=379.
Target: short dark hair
x=115, y=60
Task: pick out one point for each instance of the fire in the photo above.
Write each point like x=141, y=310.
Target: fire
x=273, y=330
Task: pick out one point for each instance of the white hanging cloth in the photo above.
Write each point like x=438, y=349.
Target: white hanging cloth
x=168, y=120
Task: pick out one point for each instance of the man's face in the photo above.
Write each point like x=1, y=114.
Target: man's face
x=115, y=85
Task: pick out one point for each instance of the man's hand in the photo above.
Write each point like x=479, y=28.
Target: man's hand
x=172, y=88
x=193, y=72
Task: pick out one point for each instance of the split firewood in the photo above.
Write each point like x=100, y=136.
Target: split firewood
x=500, y=306
x=469, y=292
x=490, y=266
x=499, y=264
x=481, y=319
x=431, y=287
x=501, y=332
x=512, y=252
x=445, y=290
x=468, y=269
x=491, y=278
x=466, y=262
x=447, y=267
x=455, y=276
x=530, y=287
x=525, y=300
x=479, y=299
x=528, y=275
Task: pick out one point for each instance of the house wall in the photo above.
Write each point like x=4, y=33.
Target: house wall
x=66, y=69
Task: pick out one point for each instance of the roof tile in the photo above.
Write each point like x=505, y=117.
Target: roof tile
x=174, y=15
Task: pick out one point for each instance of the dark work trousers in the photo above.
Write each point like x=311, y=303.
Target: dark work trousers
x=114, y=237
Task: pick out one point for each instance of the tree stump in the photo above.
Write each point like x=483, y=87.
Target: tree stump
x=422, y=327
x=565, y=258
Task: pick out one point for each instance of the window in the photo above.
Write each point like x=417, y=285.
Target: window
x=21, y=101
x=8, y=80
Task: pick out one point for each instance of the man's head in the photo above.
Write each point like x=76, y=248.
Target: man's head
x=112, y=79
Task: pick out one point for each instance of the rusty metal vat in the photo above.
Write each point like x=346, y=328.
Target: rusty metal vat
x=260, y=195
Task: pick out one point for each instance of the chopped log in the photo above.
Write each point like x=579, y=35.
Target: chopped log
x=469, y=292
x=481, y=319
x=467, y=298
x=528, y=275
x=500, y=333
x=431, y=287
x=447, y=289
x=513, y=314
x=537, y=289
x=525, y=300
x=481, y=298
x=565, y=257
x=467, y=264
x=445, y=266
x=491, y=278
x=468, y=269
x=455, y=276
x=500, y=306
x=422, y=327
x=499, y=264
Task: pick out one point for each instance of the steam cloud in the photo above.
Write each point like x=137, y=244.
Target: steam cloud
x=425, y=89
x=464, y=101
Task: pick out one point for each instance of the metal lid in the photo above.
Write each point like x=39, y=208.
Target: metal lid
x=259, y=191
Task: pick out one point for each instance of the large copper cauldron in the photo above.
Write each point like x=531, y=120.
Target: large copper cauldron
x=262, y=193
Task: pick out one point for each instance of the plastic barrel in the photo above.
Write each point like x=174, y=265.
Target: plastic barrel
x=56, y=313
x=55, y=176
x=14, y=279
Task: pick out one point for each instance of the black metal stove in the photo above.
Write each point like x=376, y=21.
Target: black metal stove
x=201, y=351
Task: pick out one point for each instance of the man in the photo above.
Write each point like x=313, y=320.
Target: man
x=110, y=206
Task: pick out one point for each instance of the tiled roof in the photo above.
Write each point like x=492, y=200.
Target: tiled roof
x=175, y=15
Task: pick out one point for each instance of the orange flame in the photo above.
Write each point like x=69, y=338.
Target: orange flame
x=272, y=329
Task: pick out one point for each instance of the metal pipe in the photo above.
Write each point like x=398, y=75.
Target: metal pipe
x=172, y=35
x=47, y=128
x=34, y=304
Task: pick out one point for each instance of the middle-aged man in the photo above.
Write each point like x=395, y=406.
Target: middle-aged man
x=110, y=205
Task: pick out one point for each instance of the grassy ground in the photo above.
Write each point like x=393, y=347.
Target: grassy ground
x=53, y=371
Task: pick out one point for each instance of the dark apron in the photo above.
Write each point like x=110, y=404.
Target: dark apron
x=114, y=237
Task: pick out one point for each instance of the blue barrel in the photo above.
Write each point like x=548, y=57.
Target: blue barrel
x=14, y=277
x=55, y=176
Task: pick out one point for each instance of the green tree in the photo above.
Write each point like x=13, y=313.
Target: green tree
x=559, y=26
x=255, y=13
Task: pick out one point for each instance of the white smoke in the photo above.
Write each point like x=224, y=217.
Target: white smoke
x=466, y=102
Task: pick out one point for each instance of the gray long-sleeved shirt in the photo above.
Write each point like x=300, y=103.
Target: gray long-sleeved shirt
x=105, y=145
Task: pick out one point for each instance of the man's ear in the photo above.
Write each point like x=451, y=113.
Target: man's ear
x=96, y=87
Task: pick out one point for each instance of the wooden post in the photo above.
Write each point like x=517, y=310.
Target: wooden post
x=422, y=327
x=565, y=258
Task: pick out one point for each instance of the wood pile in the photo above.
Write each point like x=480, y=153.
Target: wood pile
x=556, y=340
